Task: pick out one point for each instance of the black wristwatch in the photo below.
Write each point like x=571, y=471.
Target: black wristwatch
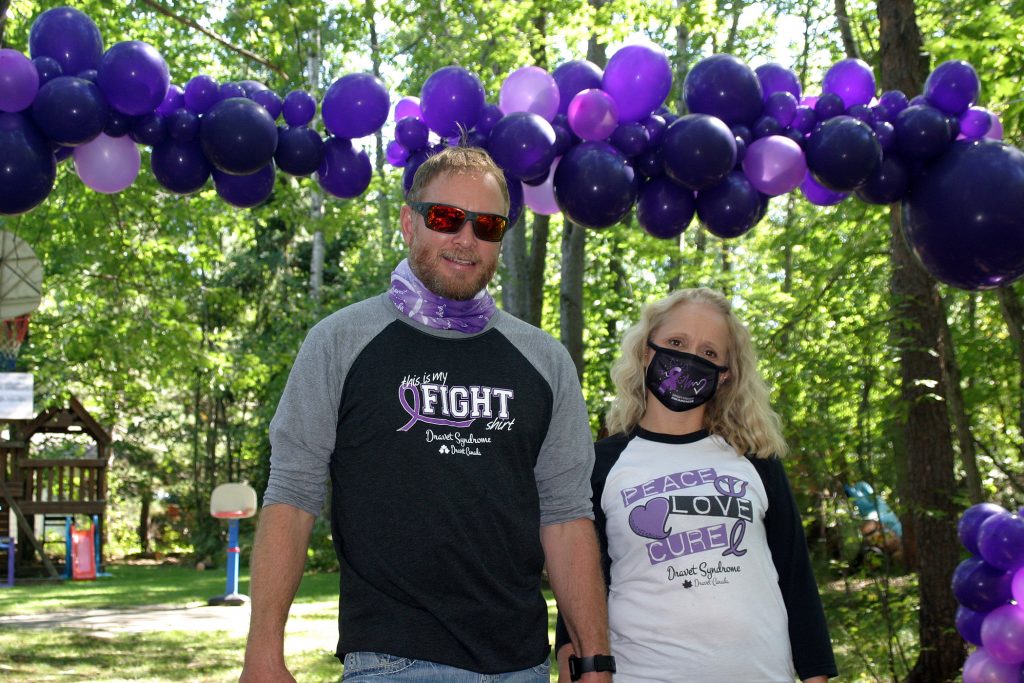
x=584, y=665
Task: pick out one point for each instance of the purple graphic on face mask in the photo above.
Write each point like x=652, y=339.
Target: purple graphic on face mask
x=414, y=411
x=649, y=520
x=671, y=382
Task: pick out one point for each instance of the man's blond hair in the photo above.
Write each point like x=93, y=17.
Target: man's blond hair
x=457, y=160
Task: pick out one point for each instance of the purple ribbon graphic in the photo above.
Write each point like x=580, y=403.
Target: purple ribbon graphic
x=414, y=411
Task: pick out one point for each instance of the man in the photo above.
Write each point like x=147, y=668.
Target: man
x=459, y=454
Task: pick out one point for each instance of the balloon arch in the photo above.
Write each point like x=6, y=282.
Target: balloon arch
x=589, y=143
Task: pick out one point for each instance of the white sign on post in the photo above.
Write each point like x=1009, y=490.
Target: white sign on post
x=16, y=396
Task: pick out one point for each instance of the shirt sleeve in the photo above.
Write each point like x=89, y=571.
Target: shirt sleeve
x=302, y=432
x=808, y=630
x=566, y=457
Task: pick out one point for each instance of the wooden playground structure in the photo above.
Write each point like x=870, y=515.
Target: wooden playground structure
x=50, y=487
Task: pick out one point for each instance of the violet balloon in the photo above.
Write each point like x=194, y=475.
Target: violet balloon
x=229, y=90
x=201, y=93
x=407, y=106
x=851, y=79
x=594, y=185
x=593, y=115
x=108, y=165
x=964, y=218
x=665, y=209
x=1017, y=586
x=345, y=172
x=355, y=105
x=19, y=81
x=638, y=78
x=133, y=77
x=975, y=122
x=891, y=103
x=27, y=166
x=299, y=108
x=245, y=191
x=982, y=667
x=412, y=133
x=523, y=144
x=574, y=77
x=1001, y=541
x=774, y=165
x=819, y=195
x=490, y=115
x=173, y=100
x=952, y=87
x=979, y=586
x=724, y=87
x=269, y=100
x=530, y=89
x=995, y=131
x=69, y=36
x=452, y=98
x=395, y=153
x=1002, y=634
x=180, y=167
x=776, y=78
x=968, y=624
x=781, y=106
x=970, y=523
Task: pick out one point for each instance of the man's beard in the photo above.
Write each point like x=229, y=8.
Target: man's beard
x=427, y=268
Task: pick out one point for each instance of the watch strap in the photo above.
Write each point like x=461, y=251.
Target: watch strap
x=582, y=665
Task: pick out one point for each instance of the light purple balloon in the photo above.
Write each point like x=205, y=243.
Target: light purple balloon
x=1002, y=634
x=407, y=106
x=593, y=114
x=982, y=667
x=541, y=198
x=1017, y=586
x=638, y=78
x=530, y=89
x=852, y=80
x=107, y=164
x=774, y=165
x=19, y=81
x=818, y=195
x=995, y=131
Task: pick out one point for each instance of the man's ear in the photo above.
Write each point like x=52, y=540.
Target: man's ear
x=408, y=224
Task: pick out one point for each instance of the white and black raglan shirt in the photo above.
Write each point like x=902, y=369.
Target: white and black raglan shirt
x=708, y=570
x=446, y=453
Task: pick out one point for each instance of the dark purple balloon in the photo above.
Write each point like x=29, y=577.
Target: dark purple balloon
x=452, y=98
x=477, y=139
x=804, y=119
x=180, y=167
x=245, y=191
x=68, y=36
x=952, y=87
x=573, y=78
x=794, y=135
x=48, y=69
x=818, y=195
x=765, y=127
x=632, y=139
x=919, y=101
x=665, y=209
x=888, y=184
x=27, y=166
x=638, y=77
x=886, y=134
x=183, y=125
x=523, y=144
x=964, y=217
x=238, y=136
x=741, y=151
x=201, y=93
x=968, y=623
x=891, y=103
x=651, y=163
x=594, y=185
x=742, y=133
x=1001, y=541
x=133, y=77
x=300, y=150
x=412, y=133
x=843, y=153
x=117, y=124
x=91, y=75
x=299, y=108
x=656, y=127
x=862, y=112
x=356, y=105
x=730, y=208
x=515, y=199
x=699, y=151
x=781, y=106
x=63, y=153
x=251, y=87
x=776, y=78
x=150, y=129
x=173, y=100
x=563, y=138
x=828, y=106
x=412, y=164
x=921, y=132
x=70, y=111
x=491, y=115
x=952, y=127
x=979, y=586
x=538, y=180
x=229, y=91
x=345, y=172
x=269, y=100
x=723, y=86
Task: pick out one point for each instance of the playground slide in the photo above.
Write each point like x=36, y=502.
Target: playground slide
x=83, y=554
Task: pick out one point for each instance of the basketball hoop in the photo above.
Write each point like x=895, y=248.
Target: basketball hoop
x=12, y=334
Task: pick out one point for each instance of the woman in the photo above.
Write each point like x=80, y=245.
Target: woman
x=708, y=571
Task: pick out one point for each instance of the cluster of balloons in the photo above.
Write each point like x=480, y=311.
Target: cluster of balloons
x=75, y=99
x=594, y=144
x=989, y=586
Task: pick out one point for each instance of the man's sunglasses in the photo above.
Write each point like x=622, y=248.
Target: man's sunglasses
x=448, y=219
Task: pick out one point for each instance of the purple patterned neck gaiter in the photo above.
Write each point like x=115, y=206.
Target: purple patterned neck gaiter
x=411, y=297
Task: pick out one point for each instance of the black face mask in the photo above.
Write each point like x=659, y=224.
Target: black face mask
x=681, y=381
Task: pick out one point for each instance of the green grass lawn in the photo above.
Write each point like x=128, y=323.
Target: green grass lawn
x=869, y=645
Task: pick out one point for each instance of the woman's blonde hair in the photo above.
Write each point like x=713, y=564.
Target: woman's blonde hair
x=739, y=412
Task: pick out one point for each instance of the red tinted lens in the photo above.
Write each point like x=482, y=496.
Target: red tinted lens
x=445, y=218
x=490, y=227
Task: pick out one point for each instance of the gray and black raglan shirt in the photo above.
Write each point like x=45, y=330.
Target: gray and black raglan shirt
x=447, y=452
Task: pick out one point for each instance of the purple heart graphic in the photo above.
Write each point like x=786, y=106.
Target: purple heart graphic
x=649, y=520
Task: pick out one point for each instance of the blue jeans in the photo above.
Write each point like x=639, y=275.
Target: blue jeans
x=372, y=667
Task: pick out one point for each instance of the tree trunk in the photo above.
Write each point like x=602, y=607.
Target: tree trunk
x=1013, y=314
x=515, y=271
x=958, y=409
x=849, y=43
x=147, y=498
x=4, y=4
x=574, y=242
x=316, y=260
x=929, y=484
x=535, y=273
